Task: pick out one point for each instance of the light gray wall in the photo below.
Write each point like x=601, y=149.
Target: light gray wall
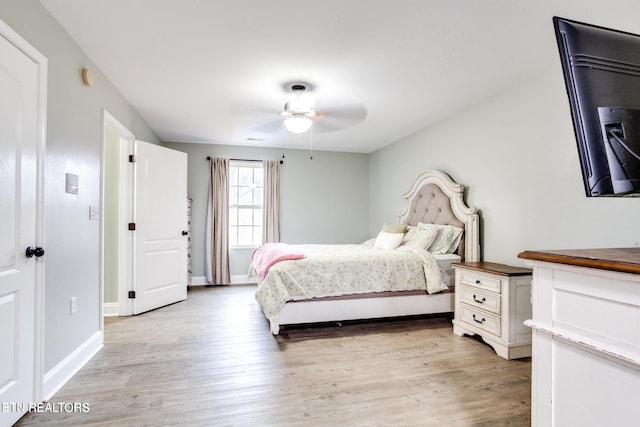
x=73, y=145
x=517, y=155
x=111, y=216
x=324, y=200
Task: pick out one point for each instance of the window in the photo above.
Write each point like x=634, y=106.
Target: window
x=246, y=188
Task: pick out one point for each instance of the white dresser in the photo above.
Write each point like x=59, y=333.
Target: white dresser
x=493, y=301
x=586, y=337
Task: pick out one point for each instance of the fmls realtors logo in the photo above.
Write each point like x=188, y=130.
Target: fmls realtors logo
x=67, y=407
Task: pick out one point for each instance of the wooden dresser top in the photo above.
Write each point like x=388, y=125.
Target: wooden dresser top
x=626, y=260
x=493, y=268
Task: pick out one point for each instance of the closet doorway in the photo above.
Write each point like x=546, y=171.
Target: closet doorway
x=144, y=238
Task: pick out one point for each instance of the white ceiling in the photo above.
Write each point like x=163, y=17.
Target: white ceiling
x=214, y=71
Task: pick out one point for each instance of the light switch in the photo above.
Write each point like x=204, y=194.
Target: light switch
x=94, y=213
x=71, y=186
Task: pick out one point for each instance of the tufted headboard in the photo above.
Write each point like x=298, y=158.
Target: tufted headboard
x=435, y=198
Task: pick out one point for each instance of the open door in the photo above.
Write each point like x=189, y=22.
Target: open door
x=23, y=100
x=160, y=236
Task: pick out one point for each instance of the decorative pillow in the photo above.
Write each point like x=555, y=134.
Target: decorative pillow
x=419, y=237
x=388, y=240
x=447, y=240
x=395, y=228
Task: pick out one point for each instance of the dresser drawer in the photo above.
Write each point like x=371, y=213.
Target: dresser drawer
x=480, y=319
x=471, y=278
x=480, y=298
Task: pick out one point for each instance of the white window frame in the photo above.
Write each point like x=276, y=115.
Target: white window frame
x=256, y=219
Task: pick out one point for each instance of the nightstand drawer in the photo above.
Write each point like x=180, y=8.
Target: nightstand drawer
x=479, y=298
x=474, y=279
x=480, y=319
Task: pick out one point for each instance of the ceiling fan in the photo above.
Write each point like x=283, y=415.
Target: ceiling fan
x=298, y=110
x=304, y=110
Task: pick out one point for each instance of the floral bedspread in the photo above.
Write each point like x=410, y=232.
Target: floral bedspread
x=331, y=270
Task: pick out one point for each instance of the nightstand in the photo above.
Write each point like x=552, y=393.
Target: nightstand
x=492, y=301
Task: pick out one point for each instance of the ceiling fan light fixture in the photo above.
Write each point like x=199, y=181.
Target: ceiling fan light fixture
x=298, y=123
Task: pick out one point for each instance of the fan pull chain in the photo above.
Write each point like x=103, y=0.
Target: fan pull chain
x=311, y=142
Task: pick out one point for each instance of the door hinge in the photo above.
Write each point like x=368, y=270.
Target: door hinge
x=132, y=294
x=132, y=158
x=132, y=226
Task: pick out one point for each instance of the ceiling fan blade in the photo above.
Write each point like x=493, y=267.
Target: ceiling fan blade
x=269, y=129
x=337, y=118
x=256, y=122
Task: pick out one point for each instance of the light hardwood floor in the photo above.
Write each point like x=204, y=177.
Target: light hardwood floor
x=211, y=361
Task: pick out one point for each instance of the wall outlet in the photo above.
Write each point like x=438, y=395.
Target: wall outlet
x=73, y=305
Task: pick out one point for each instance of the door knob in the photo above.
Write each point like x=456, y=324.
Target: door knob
x=37, y=252
x=184, y=233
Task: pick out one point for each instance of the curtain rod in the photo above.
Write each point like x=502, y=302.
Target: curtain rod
x=247, y=160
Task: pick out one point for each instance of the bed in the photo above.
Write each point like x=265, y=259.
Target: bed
x=409, y=280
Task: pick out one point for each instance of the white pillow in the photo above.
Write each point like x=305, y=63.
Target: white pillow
x=420, y=237
x=388, y=241
x=447, y=240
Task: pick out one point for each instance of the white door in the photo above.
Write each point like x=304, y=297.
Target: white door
x=160, y=242
x=19, y=127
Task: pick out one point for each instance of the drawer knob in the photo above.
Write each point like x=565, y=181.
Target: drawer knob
x=478, y=321
x=479, y=301
x=477, y=281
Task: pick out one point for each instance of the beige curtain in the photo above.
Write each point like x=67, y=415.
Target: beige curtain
x=217, y=233
x=271, y=211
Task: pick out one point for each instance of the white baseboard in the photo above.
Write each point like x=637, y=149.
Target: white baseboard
x=110, y=309
x=65, y=370
x=198, y=281
x=241, y=279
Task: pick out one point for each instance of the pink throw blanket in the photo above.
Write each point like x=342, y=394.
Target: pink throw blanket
x=270, y=253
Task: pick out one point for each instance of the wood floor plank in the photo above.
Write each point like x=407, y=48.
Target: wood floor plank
x=211, y=361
